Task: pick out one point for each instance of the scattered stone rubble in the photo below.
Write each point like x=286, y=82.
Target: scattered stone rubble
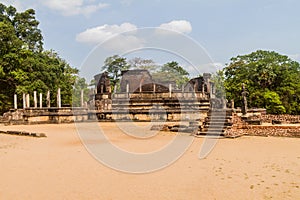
x=24, y=133
x=246, y=126
x=266, y=131
x=278, y=125
x=279, y=119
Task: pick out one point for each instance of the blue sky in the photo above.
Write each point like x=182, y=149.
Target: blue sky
x=224, y=28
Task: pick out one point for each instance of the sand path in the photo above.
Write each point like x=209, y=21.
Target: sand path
x=59, y=167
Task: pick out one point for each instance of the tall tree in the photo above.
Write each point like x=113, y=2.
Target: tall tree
x=25, y=25
x=171, y=72
x=114, y=65
x=24, y=66
x=266, y=74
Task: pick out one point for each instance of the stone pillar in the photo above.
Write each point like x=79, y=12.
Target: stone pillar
x=15, y=102
x=101, y=90
x=58, y=98
x=170, y=90
x=27, y=101
x=41, y=100
x=140, y=87
x=81, y=96
x=48, y=99
x=24, y=101
x=232, y=103
x=210, y=89
x=244, y=101
x=154, y=87
x=127, y=88
x=35, y=99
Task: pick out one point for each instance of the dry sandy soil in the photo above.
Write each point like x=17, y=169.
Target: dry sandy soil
x=60, y=167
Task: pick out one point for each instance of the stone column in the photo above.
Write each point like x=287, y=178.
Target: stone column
x=48, y=99
x=24, y=101
x=232, y=103
x=170, y=90
x=27, y=101
x=81, y=96
x=35, y=99
x=154, y=88
x=140, y=88
x=58, y=98
x=101, y=90
x=244, y=102
x=127, y=88
x=41, y=100
x=15, y=102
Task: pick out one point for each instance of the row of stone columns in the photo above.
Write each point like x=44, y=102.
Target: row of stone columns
x=26, y=100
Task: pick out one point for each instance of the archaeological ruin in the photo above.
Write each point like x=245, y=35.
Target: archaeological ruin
x=194, y=108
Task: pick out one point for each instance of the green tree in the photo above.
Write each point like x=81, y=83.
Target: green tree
x=263, y=72
x=114, y=65
x=25, y=26
x=171, y=72
x=24, y=66
x=80, y=84
x=273, y=103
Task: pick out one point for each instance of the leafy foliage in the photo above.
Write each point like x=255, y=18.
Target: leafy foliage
x=80, y=84
x=270, y=78
x=24, y=65
x=171, y=72
x=114, y=65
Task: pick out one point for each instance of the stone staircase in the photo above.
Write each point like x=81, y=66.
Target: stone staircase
x=217, y=121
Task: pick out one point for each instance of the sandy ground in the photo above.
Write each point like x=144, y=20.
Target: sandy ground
x=60, y=167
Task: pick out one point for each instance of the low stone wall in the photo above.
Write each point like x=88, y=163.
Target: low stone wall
x=266, y=131
x=289, y=119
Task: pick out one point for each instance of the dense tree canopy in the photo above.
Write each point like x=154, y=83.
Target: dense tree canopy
x=271, y=79
x=24, y=65
x=114, y=65
x=173, y=72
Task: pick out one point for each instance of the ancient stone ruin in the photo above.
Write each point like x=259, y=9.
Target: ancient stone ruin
x=140, y=98
x=192, y=108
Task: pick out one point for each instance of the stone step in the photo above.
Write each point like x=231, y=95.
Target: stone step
x=210, y=133
x=213, y=129
x=219, y=124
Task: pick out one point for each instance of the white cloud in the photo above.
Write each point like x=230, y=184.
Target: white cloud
x=181, y=26
x=75, y=7
x=121, y=36
x=101, y=33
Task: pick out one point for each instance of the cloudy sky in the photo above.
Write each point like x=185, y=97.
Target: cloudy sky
x=221, y=29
